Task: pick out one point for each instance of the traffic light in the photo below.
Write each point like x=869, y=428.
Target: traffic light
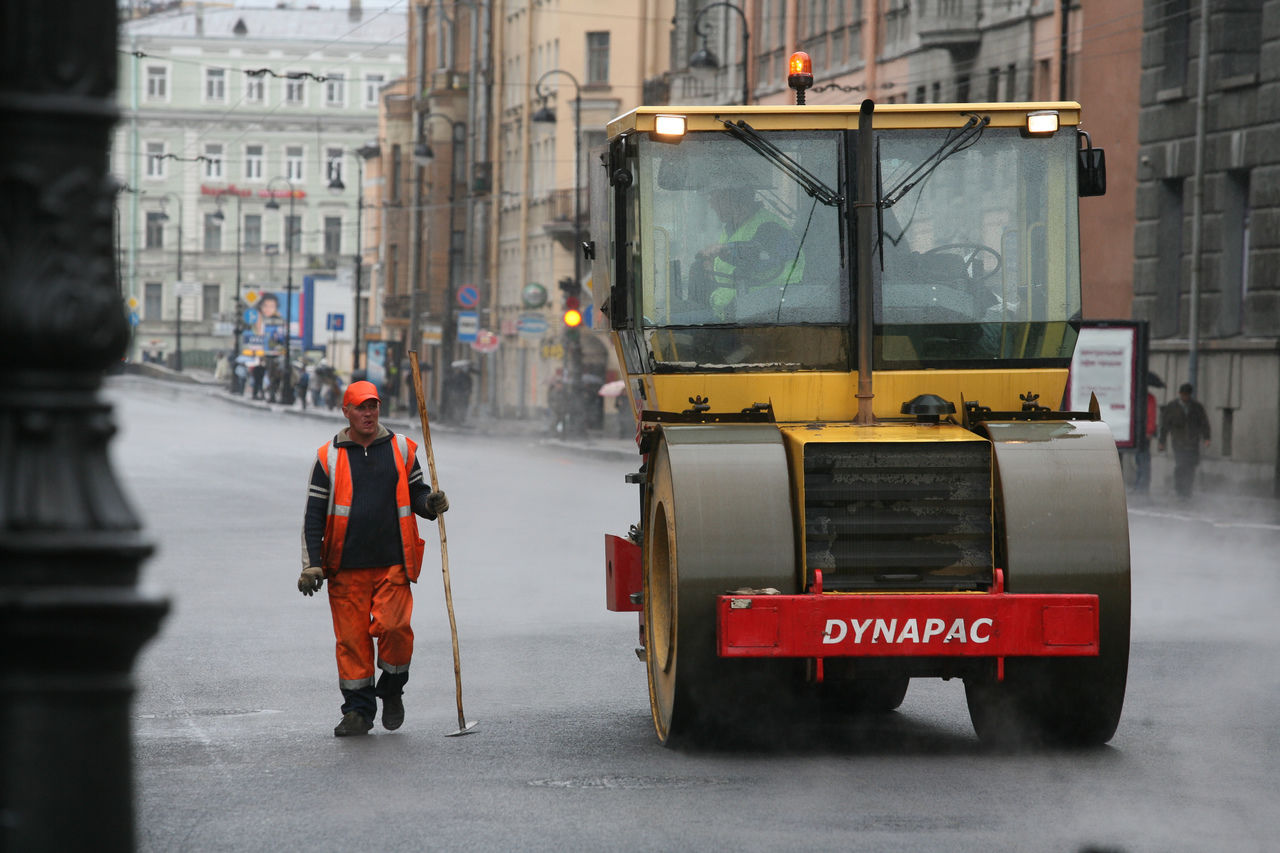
x=572, y=312
x=572, y=316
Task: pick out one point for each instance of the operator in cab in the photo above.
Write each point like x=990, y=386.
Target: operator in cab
x=755, y=249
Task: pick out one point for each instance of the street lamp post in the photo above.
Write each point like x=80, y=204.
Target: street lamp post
x=573, y=350
x=705, y=58
x=286, y=393
x=177, y=287
x=72, y=614
x=235, y=325
x=423, y=155
x=364, y=152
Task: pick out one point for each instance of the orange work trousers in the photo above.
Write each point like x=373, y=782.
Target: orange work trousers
x=368, y=605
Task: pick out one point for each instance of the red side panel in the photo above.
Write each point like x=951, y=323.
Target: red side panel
x=623, y=576
x=907, y=625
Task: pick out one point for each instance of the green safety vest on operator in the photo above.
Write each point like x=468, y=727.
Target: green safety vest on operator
x=790, y=271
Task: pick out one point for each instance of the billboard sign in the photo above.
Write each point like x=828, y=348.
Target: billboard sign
x=1106, y=364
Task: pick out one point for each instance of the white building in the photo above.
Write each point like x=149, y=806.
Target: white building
x=232, y=122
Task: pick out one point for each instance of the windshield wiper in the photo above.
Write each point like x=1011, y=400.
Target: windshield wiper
x=811, y=183
x=969, y=134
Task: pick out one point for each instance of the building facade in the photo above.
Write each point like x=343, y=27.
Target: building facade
x=236, y=152
x=503, y=103
x=1207, y=251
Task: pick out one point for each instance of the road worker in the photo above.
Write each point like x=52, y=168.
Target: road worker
x=360, y=532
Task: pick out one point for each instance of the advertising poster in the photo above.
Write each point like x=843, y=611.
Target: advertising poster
x=265, y=321
x=1105, y=363
x=375, y=365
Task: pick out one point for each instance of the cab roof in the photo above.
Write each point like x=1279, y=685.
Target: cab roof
x=844, y=116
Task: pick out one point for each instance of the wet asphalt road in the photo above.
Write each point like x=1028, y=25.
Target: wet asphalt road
x=237, y=697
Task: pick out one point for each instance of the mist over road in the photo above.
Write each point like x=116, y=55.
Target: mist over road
x=237, y=697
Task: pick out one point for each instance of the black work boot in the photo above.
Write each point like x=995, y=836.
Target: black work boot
x=353, y=723
x=392, y=712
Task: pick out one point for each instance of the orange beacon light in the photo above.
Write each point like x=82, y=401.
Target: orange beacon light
x=800, y=74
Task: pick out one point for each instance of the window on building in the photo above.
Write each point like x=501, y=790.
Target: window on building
x=155, y=229
x=1044, y=80
x=962, y=89
x=293, y=233
x=213, y=160
x=335, y=89
x=332, y=235
x=395, y=174
x=1236, y=216
x=215, y=85
x=897, y=21
x=935, y=92
x=1011, y=82
x=813, y=26
x=1241, y=39
x=210, y=299
x=993, y=84
x=157, y=83
x=295, y=90
x=333, y=164
x=769, y=60
x=372, y=84
x=253, y=232
x=253, y=156
x=255, y=90
x=155, y=159
x=212, y=233
x=1176, y=16
x=152, y=300
x=597, y=59
x=293, y=162
x=1166, y=316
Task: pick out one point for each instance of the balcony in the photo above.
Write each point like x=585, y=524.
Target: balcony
x=559, y=222
x=952, y=24
x=395, y=307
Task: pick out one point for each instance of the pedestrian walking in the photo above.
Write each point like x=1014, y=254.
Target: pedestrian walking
x=258, y=373
x=1142, y=451
x=221, y=368
x=1184, y=424
x=359, y=532
x=304, y=380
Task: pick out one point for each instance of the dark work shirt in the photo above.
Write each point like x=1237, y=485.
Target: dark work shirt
x=373, y=527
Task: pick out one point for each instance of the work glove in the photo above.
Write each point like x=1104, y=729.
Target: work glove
x=310, y=581
x=437, y=503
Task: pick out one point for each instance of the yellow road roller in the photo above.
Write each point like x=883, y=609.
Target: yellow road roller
x=845, y=332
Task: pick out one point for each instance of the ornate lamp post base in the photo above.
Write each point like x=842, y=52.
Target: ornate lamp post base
x=71, y=618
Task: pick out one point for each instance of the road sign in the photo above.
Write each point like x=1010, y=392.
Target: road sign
x=468, y=296
x=133, y=318
x=531, y=326
x=486, y=341
x=468, y=325
x=333, y=322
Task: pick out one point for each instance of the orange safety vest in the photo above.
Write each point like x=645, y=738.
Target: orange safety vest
x=335, y=464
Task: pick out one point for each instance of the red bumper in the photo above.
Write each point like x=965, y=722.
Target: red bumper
x=624, y=576
x=995, y=624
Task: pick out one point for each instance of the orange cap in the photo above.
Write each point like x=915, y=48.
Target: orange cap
x=358, y=392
